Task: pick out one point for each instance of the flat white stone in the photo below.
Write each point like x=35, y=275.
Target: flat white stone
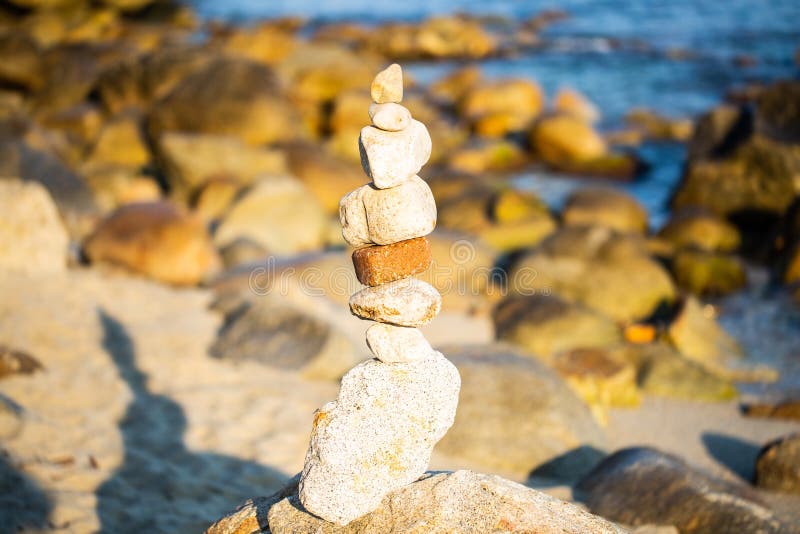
x=395, y=344
x=390, y=158
x=390, y=117
x=384, y=216
x=406, y=302
x=377, y=436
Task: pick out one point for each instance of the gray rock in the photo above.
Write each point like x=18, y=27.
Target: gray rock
x=32, y=236
x=778, y=465
x=280, y=336
x=640, y=485
x=377, y=436
x=461, y=502
x=515, y=415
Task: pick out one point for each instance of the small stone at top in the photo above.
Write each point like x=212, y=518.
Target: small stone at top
x=388, y=85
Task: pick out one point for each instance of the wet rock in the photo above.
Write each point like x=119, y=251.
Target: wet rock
x=15, y=362
x=561, y=140
x=274, y=334
x=641, y=485
x=279, y=213
x=406, y=302
x=571, y=102
x=697, y=335
x=515, y=414
x=377, y=436
x=32, y=236
x=778, y=465
x=660, y=128
x=701, y=230
x=155, y=239
x=778, y=111
x=547, y=325
x=461, y=501
x=605, y=207
x=238, y=98
x=437, y=37
x=605, y=271
x=191, y=160
x=663, y=372
x=513, y=103
x=708, y=273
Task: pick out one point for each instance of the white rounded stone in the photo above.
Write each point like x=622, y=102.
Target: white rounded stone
x=389, y=117
x=395, y=344
x=390, y=158
x=378, y=435
x=384, y=216
x=406, y=302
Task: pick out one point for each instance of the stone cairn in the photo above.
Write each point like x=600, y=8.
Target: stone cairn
x=379, y=434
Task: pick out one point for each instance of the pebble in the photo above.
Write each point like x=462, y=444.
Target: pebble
x=397, y=344
x=388, y=85
x=381, y=264
x=390, y=117
x=377, y=436
x=406, y=302
x=384, y=216
x=391, y=158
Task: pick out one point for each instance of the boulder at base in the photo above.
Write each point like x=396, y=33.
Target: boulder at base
x=438, y=503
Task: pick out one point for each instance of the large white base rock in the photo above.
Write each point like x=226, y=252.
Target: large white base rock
x=384, y=216
x=378, y=436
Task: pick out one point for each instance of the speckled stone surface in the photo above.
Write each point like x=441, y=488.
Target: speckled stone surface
x=377, y=436
x=406, y=302
x=393, y=344
x=382, y=264
x=389, y=117
x=390, y=158
x=388, y=85
x=372, y=216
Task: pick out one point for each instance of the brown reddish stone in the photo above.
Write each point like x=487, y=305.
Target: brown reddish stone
x=381, y=264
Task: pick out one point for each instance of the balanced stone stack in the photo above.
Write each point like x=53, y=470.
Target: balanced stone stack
x=379, y=434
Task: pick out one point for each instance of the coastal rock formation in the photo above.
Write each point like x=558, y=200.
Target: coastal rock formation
x=379, y=434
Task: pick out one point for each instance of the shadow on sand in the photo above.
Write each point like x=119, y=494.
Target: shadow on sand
x=23, y=504
x=161, y=485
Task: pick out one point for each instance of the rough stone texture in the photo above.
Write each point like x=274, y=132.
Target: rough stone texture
x=515, y=415
x=393, y=344
x=546, y=325
x=384, y=216
x=381, y=264
x=32, y=236
x=155, y=239
x=390, y=117
x=641, y=485
x=279, y=213
x=406, y=302
x=280, y=336
x=388, y=85
x=390, y=158
x=377, y=436
x=460, y=502
x=778, y=465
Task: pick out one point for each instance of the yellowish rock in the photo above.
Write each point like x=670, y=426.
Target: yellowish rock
x=388, y=85
x=561, y=139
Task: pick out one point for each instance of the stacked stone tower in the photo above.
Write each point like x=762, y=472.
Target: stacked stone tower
x=379, y=434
